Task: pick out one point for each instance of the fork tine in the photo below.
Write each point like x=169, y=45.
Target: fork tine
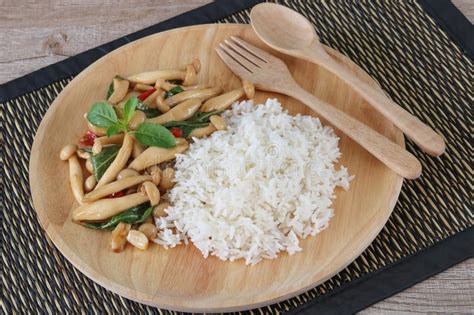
x=237, y=57
x=245, y=53
x=236, y=67
x=257, y=52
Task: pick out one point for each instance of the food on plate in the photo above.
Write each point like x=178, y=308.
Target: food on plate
x=168, y=160
x=123, y=164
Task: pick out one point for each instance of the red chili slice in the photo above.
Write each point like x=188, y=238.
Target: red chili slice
x=145, y=94
x=117, y=194
x=87, y=139
x=176, y=132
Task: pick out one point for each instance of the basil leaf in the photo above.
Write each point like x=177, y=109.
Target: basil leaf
x=102, y=161
x=199, y=120
x=110, y=90
x=177, y=89
x=155, y=135
x=129, y=109
x=204, y=117
x=102, y=115
x=149, y=112
x=112, y=130
x=133, y=215
x=178, y=82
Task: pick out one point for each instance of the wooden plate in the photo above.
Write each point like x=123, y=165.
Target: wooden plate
x=180, y=278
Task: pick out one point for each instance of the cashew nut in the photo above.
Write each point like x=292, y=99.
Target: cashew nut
x=156, y=155
x=138, y=239
x=103, y=209
x=180, y=112
x=155, y=172
x=249, y=89
x=119, y=162
x=114, y=187
x=119, y=236
x=120, y=90
x=67, y=151
x=152, y=192
x=159, y=210
x=138, y=118
x=148, y=229
x=167, y=179
x=127, y=172
x=218, y=122
x=203, y=94
x=76, y=178
x=90, y=183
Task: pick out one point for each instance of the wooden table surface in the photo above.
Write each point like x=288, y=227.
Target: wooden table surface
x=38, y=33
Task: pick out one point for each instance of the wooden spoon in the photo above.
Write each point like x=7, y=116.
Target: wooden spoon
x=291, y=33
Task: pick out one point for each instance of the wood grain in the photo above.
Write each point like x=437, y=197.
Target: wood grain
x=90, y=23
x=180, y=278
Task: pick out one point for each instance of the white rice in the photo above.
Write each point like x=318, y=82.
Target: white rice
x=253, y=190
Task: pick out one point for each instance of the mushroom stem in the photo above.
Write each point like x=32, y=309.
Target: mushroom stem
x=115, y=139
x=119, y=162
x=222, y=101
x=114, y=187
x=76, y=178
x=202, y=94
x=202, y=132
x=180, y=112
x=120, y=90
x=103, y=209
x=156, y=155
x=150, y=77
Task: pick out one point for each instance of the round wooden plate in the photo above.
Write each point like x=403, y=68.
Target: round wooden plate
x=180, y=278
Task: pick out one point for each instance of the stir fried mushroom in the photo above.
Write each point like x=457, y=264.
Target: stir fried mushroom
x=205, y=131
x=159, y=210
x=150, y=101
x=161, y=104
x=180, y=112
x=156, y=173
x=96, y=130
x=168, y=86
x=67, y=151
x=127, y=172
x=156, y=155
x=152, y=192
x=197, y=65
x=119, y=236
x=151, y=77
x=126, y=98
x=138, y=118
x=103, y=209
x=142, y=87
x=119, y=162
x=76, y=178
x=137, y=149
x=83, y=154
x=224, y=101
x=191, y=75
x=120, y=90
x=90, y=183
x=96, y=147
x=89, y=166
x=167, y=179
x=115, y=139
x=202, y=94
x=115, y=187
x=137, y=239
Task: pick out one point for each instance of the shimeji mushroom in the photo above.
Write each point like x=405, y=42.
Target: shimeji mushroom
x=223, y=101
x=167, y=178
x=103, y=209
x=203, y=94
x=180, y=112
x=216, y=123
x=115, y=187
x=75, y=177
x=142, y=87
x=159, y=210
x=120, y=90
x=156, y=155
x=119, y=162
x=119, y=236
x=151, y=77
x=115, y=139
x=137, y=149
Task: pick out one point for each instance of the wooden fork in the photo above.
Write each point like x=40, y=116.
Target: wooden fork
x=269, y=73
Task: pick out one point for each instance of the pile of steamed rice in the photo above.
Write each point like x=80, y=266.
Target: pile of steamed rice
x=255, y=189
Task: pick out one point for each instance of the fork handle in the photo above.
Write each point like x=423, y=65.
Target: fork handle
x=395, y=157
x=425, y=137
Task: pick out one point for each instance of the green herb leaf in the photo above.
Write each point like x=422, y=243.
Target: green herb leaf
x=112, y=130
x=102, y=115
x=110, y=90
x=155, y=135
x=129, y=109
x=149, y=112
x=199, y=120
x=102, y=161
x=177, y=89
x=133, y=215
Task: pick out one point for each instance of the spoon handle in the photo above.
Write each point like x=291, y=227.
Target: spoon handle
x=425, y=137
x=395, y=157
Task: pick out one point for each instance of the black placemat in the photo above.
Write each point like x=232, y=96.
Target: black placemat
x=422, y=67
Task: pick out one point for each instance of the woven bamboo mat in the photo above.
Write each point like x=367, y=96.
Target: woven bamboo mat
x=396, y=42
